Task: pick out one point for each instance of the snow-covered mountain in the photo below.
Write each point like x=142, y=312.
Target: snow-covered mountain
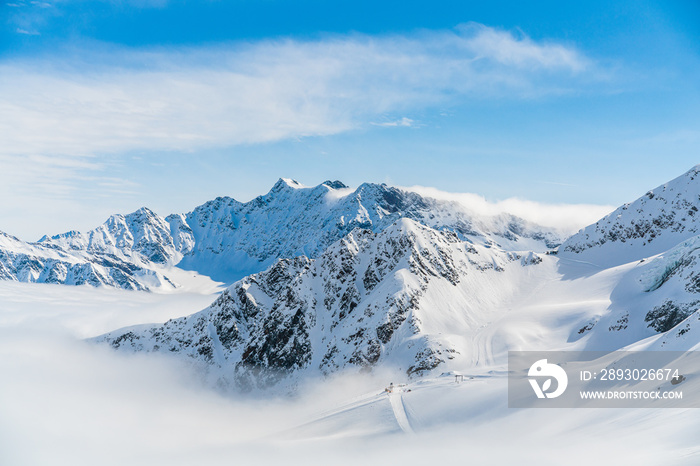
x=405, y=297
x=141, y=236
x=333, y=279
x=227, y=240
x=654, y=223
x=655, y=298
x=41, y=263
x=656, y=236
x=231, y=239
x=420, y=286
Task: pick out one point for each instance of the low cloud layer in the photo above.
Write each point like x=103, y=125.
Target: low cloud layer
x=66, y=402
x=566, y=218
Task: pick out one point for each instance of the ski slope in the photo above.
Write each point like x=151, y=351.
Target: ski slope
x=440, y=419
x=399, y=409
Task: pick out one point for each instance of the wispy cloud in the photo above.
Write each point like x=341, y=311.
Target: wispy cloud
x=405, y=122
x=49, y=194
x=63, y=116
x=26, y=32
x=28, y=17
x=521, y=51
x=188, y=99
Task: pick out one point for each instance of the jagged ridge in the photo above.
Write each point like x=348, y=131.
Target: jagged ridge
x=227, y=240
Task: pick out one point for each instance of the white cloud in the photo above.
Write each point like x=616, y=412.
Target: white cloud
x=504, y=48
x=404, y=122
x=189, y=99
x=26, y=32
x=64, y=117
x=566, y=218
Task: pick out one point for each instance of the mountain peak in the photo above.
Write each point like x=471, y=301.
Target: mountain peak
x=286, y=183
x=335, y=184
x=144, y=211
x=66, y=235
x=655, y=222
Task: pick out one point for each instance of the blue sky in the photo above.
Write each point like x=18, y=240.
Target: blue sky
x=110, y=105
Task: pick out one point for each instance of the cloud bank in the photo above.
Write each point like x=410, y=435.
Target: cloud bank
x=66, y=402
x=566, y=218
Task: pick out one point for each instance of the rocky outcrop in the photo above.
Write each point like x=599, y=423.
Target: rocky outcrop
x=363, y=300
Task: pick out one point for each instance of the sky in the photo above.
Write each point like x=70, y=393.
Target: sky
x=107, y=106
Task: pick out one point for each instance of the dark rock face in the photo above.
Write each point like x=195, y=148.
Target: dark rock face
x=335, y=184
x=426, y=360
x=663, y=318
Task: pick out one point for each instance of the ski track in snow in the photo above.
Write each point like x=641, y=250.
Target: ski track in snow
x=396, y=400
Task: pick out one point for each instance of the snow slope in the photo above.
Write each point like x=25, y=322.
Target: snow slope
x=448, y=421
x=657, y=296
x=655, y=239
x=654, y=223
